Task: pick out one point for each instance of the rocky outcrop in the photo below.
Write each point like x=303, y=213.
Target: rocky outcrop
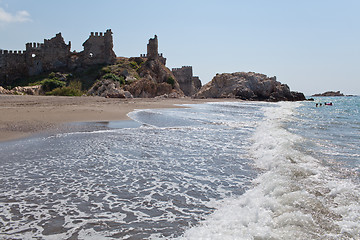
x=171, y=95
x=156, y=79
x=146, y=88
x=110, y=89
x=4, y=91
x=248, y=86
x=28, y=90
x=329, y=94
x=157, y=72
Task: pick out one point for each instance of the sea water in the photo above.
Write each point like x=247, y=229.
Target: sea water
x=237, y=170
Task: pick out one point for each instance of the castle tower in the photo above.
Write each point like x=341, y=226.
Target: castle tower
x=98, y=49
x=188, y=83
x=152, y=49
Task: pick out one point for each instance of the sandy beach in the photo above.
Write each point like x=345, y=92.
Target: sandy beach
x=21, y=116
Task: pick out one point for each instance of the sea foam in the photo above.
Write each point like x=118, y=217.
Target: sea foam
x=295, y=197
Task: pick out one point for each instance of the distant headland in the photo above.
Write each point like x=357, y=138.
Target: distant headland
x=329, y=94
x=51, y=68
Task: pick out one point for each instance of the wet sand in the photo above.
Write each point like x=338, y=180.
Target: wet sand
x=22, y=116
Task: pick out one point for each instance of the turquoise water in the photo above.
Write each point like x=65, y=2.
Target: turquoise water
x=239, y=170
x=333, y=131
x=308, y=187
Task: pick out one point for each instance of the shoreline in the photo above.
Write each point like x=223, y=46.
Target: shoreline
x=25, y=115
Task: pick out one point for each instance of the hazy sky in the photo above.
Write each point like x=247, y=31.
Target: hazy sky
x=311, y=45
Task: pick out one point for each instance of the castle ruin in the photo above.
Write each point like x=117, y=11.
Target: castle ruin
x=98, y=49
x=55, y=55
x=189, y=84
x=153, y=52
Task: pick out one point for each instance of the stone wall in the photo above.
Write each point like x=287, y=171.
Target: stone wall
x=55, y=55
x=188, y=83
x=13, y=65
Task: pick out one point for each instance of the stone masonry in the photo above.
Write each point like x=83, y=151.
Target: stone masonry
x=98, y=49
x=153, y=52
x=188, y=83
x=55, y=55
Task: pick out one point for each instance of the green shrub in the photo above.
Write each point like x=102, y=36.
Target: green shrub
x=105, y=70
x=139, y=61
x=112, y=76
x=171, y=81
x=122, y=80
x=75, y=85
x=51, y=84
x=65, y=91
x=134, y=65
x=74, y=89
x=52, y=76
x=36, y=83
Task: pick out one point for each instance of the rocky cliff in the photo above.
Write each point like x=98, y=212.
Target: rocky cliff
x=248, y=86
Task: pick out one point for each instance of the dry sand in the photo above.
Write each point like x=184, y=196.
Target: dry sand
x=21, y=116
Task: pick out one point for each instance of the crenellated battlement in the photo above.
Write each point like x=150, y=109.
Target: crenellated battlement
x=182, y=68
x=11, y=52
x=98, y=48
x=145, y=55
x=96, y=34
x=100, y=34
x=34, y=45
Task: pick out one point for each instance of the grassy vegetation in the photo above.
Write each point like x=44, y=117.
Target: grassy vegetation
x=134, y=65
x=171, y=81
x=105, y=70
x=121, y=69
x=114, y=77
x=50, y=84
x=74, y=89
